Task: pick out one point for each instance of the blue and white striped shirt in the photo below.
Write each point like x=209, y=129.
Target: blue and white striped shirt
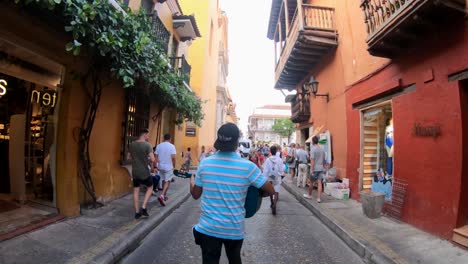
x=225, y=178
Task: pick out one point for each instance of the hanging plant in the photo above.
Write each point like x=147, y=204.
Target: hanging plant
x=123, y=43
x=124, y=40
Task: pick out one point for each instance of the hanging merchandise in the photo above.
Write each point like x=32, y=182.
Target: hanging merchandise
x=325, y=142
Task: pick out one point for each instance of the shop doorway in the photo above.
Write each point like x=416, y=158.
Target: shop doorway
x=377, y=149
x=29, y=100
x=27, y=135
x=463, y=205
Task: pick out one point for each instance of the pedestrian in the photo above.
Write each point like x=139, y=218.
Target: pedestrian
x=260, y=159
x=188, y=160
x=165, y=157
x=291, y=160
x=317, y=158
x=273, y=169
x=222, y=181
x=302, y=158
x=141, y=155
x=202, y=154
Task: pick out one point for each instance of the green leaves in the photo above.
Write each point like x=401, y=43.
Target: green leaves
x=125, y=43
x=284, y=126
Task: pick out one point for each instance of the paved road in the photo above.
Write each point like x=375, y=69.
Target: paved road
x=294, y=235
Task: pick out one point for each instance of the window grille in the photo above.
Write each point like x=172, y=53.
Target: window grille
x=161, y=34
x=136, y=118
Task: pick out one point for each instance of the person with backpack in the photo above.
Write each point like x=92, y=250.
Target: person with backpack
x=273, y=169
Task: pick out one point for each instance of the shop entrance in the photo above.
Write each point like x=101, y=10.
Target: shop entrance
x=377, y=149
x=29, y=100
x=463, y=207
x=460, y=233
x=27, y=133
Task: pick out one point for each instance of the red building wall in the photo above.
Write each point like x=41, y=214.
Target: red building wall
x=431, y=166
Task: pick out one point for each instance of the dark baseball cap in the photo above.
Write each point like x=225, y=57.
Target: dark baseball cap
x=228, y=137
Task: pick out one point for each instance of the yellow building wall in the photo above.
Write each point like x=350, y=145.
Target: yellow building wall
x=110, y=179
x=203, y=57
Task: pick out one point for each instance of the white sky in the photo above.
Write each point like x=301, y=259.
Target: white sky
x=251, y=57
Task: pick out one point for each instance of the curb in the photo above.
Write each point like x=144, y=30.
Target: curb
x=368, y=255
x=126, y=245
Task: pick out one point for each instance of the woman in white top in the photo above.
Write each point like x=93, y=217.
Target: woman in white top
x=273, y=169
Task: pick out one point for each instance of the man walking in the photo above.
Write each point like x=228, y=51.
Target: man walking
x=302, y=159
x=224, y=179
x=141, y=154
x=317, y=156
x=165, y=158
x=273, y=169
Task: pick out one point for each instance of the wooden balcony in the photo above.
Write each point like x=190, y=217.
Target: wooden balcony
x=300, y=107
x=301, y=40
x=394, y=26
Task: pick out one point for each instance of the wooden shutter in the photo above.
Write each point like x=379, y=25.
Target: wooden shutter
x=370, y=159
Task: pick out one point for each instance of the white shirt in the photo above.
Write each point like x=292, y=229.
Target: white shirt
x=165, y=151
x=273, y=166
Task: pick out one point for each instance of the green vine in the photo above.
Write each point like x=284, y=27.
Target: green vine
x=125, y=40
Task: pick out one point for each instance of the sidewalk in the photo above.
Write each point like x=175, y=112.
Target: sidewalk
x=382, y=240
x=102, y=235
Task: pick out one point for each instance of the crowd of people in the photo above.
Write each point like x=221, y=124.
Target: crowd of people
x=222, y=181
x=296, y=161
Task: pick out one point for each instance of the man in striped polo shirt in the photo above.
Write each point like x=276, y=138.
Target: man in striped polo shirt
x=223, y=179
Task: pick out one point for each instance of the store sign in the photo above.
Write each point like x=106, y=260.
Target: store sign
x=3, y=87
x=426, y=131
x=44, y=98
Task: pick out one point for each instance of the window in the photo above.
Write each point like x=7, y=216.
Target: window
x=137, y=113
x=211, y=36
x=147, y=5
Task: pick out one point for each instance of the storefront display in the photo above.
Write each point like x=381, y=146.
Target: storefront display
x=377, y=149
x=29, y=99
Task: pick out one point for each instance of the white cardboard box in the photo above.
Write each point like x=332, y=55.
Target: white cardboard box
x=342, y=194
x=329, y=186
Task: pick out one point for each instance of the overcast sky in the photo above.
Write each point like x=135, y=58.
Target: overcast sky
x=251, y=57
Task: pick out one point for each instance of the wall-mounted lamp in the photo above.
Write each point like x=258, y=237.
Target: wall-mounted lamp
x=312, y=86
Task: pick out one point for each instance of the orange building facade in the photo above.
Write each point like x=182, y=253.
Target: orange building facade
x=391, y=93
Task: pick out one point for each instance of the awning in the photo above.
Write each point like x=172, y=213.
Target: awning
x=315, y=133
x=186, y=27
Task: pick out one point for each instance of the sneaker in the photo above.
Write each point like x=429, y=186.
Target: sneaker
x=307, y=196
x=166, y=198
x=319, y=201
x=137, y=216
x=155, y=193
x=144, y=212
x=161, y=200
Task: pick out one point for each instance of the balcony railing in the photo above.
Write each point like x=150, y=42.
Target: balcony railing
x=393, y=25
x=161, y=34
x=301, y=44
x=181, y=67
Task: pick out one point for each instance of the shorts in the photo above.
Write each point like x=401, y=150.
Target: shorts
x=166, y=175
x=148, y=182
x=316, y=175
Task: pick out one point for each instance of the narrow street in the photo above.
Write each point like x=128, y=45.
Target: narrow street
x=294, y=235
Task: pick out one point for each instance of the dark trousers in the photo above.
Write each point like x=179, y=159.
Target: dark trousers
x=211, y=248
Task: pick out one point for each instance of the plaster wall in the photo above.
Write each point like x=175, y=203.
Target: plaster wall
x=432, y=166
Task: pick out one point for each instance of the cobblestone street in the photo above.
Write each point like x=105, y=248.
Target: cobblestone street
x=294, y=235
